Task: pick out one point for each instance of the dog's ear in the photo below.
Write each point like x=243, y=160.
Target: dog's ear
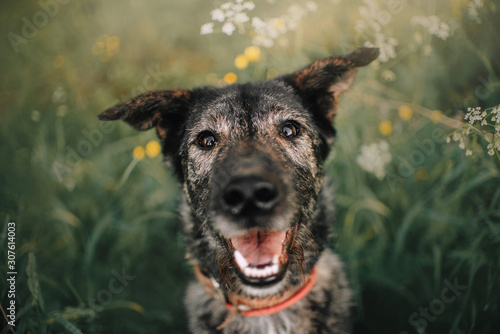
x=160, y=109
x=320, y=84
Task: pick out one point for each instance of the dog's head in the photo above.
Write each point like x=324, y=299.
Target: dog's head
x=250, y=157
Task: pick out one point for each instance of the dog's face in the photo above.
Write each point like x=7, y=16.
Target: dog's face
x=250, y=159
x=251, y=162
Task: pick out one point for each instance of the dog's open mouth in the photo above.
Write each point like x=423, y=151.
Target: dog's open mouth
x=261, y=256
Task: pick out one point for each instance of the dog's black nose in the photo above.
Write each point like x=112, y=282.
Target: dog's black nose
x=249, y=195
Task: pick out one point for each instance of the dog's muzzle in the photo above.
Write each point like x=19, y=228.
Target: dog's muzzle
x=249, y=203
x=252, y=214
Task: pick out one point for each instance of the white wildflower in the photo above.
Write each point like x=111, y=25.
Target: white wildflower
x=231, y=15
x=495, y=112
x=257, y=23
x=234, y=16
x=35, y=115
x=207, y=28
x=372, y=23
x=228, y=28
x=434, y=25
x=218, y=15
x=238, y=8
x=496, y=141
x=249, y=5
x=241, y=18
x=491, y=150
x=59, y=95
x=388, y=76
x=374, y=157
x=473, y=10
x=474, y=114
x=269, y=30
x=226, y=6
x=386, y=46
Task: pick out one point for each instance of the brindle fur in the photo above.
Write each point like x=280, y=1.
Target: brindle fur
x=246, y=120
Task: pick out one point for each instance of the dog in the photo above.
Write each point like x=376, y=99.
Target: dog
x=256, y=206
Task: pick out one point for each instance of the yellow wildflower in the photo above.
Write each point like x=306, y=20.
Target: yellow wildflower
x=436, y=116
x=113, y=42
x=230, y=78
x=405, y=112
x=106, y=47
x=385, y=128
x=252, y=53
x=153, y=148
x=241, y=61
x=138, y=153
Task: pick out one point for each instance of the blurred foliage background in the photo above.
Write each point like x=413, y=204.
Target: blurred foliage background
x=99, y=248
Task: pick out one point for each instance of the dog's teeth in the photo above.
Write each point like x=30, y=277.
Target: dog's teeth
x=276, y=259
x=261, y=272
x=240, y=260
x=247, y=271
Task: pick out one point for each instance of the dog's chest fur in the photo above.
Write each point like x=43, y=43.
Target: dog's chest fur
x=326, y=309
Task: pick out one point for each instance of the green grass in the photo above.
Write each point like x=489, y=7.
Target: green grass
x=83, y=220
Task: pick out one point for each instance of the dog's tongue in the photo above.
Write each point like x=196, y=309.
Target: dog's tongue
x=259, y=247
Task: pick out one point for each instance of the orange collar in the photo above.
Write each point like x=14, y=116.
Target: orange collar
x=212, y=288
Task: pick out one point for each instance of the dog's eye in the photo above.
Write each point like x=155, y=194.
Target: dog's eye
x=289, y=130
x=206, y=140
